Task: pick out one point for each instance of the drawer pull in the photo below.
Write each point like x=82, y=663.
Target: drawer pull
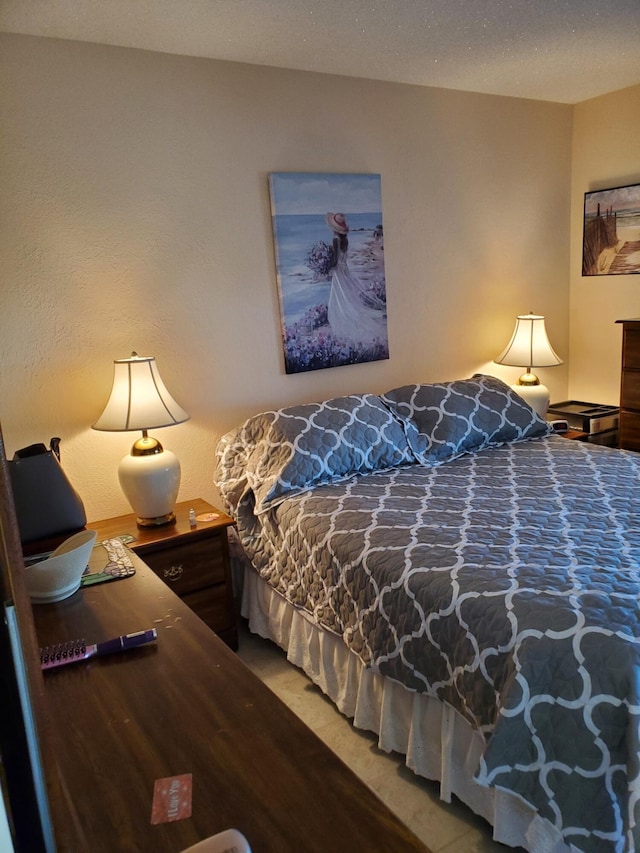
x=173, y=574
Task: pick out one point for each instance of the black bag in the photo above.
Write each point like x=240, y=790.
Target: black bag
x=46, y=503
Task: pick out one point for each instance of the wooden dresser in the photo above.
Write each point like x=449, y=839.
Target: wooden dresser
x=630, y=385
x=188, y=705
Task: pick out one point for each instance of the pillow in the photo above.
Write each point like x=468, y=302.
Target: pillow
x=444, y=421
x=293, y=450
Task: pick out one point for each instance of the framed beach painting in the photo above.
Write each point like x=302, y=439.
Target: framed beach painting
x=611, y=237
x=329, y=248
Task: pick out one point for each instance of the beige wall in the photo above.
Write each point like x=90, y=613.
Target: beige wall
x=606, y=153
x=135, y=215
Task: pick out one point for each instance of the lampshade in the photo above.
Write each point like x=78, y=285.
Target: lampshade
x=139, y=398
x=149, y=475
x=530, y=347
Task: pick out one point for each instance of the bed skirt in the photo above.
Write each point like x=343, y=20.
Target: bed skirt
x=436, y=741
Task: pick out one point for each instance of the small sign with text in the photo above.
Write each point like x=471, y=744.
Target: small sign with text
x=171, y=799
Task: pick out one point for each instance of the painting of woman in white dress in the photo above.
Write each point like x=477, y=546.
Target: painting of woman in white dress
x=355, y=313
x=329, y=242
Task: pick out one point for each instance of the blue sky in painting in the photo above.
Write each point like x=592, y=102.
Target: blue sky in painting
x=309, y=192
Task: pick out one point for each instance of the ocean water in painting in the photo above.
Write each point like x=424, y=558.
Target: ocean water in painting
x=629, y=219
x=625, y=219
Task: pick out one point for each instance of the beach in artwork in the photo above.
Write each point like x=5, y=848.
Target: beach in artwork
x=303, y=242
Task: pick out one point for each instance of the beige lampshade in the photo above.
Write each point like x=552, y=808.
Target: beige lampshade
x=139, y=398
x=529, y=345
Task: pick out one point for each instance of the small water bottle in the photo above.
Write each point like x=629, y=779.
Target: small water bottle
x=192, y=518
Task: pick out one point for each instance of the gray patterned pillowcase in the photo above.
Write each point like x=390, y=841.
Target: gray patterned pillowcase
x=444, y=421
x=295, y=449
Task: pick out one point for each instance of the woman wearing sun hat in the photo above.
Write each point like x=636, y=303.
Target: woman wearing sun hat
x=353, y=315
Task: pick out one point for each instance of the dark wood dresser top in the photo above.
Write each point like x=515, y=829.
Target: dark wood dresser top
x=188, y=705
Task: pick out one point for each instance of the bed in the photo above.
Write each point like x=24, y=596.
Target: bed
x=464, y=583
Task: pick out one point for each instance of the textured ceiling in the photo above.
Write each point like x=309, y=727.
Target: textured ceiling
x=554, y=50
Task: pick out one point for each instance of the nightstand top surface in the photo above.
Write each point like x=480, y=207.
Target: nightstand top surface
x=121, y=525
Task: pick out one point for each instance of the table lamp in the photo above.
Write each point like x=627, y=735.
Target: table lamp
x=149, y=475
x=530, y=347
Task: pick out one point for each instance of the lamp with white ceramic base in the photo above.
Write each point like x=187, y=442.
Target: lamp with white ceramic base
x=530, y=347
x=149, y=475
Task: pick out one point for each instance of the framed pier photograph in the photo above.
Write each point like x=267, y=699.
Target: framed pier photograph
x=611, y=236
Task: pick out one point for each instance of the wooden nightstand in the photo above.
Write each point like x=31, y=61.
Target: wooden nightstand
x=609, y=438
x=193, y=561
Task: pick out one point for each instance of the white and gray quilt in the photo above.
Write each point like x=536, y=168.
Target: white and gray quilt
x=503, y=580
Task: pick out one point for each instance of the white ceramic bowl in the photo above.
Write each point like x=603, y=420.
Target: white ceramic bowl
x=59, y=576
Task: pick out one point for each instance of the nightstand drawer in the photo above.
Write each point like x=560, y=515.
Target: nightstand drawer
x=629, y=430
x=631, y=351
x=630, y=389
x=189, y=567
